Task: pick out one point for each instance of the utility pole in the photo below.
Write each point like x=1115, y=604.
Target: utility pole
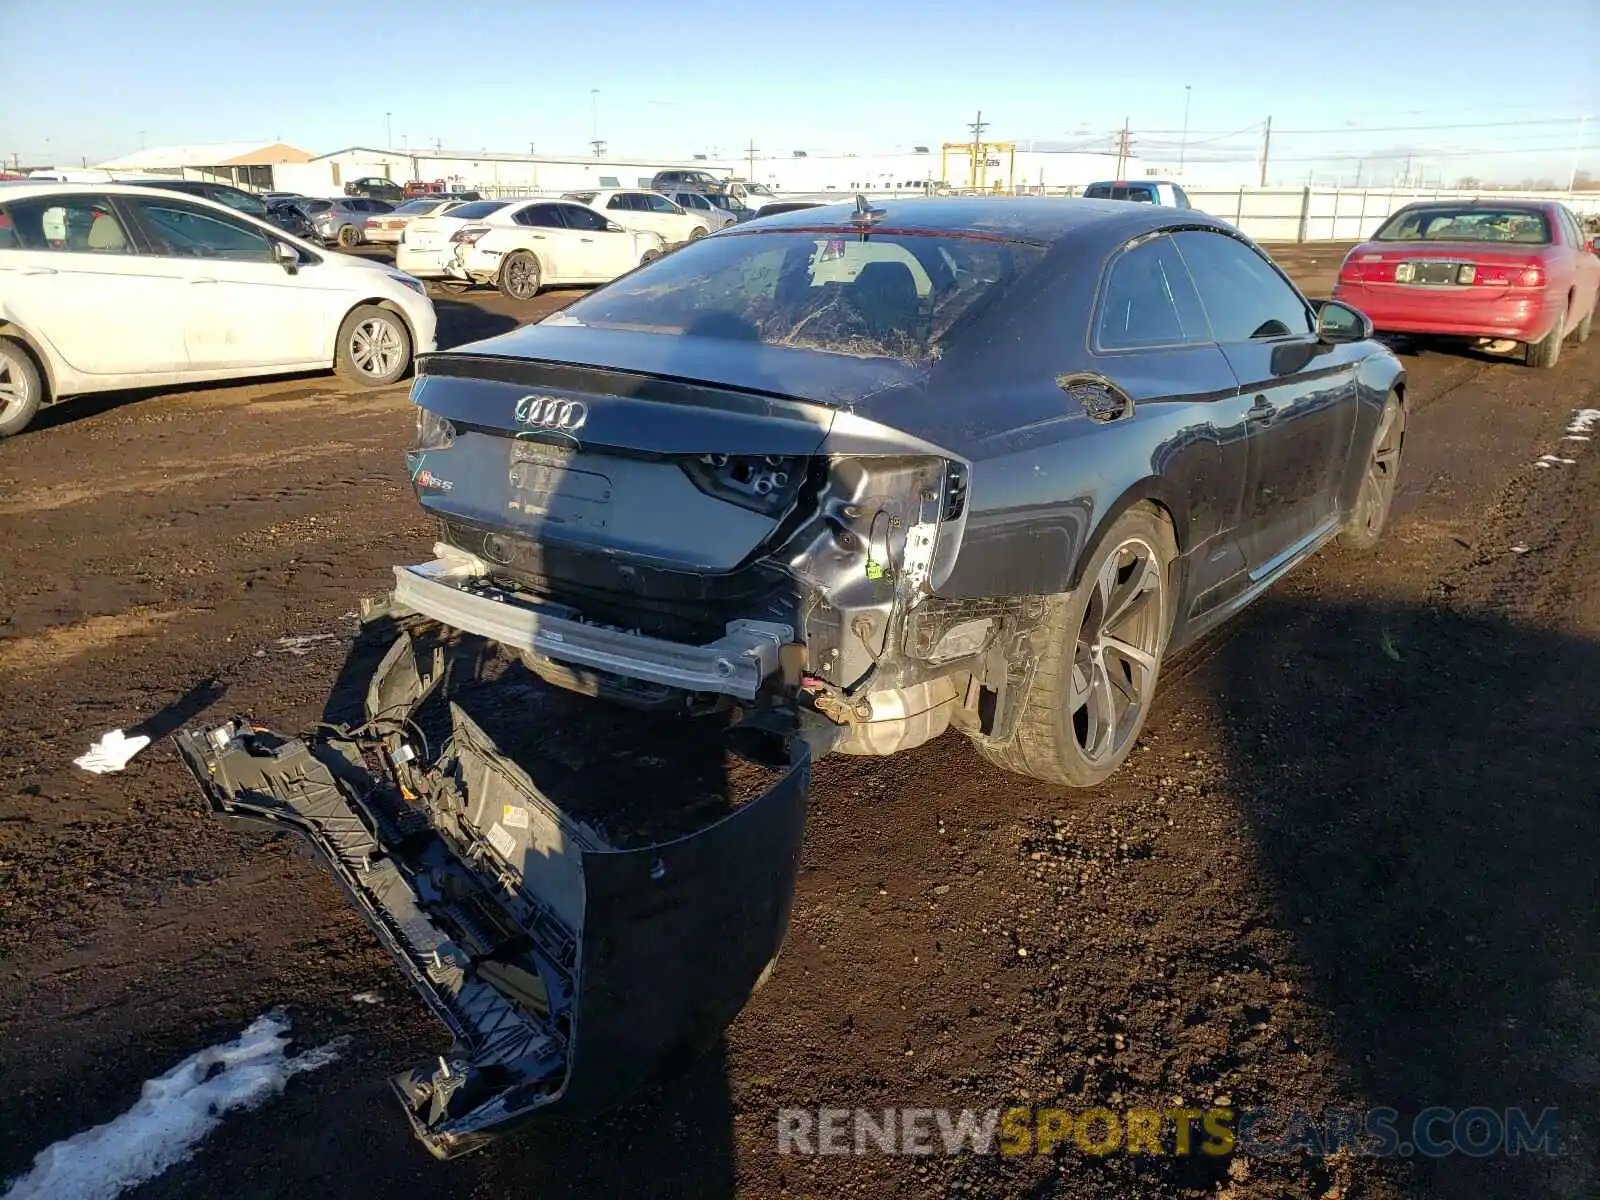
x=1360, y=162
x=1266, y=148
x=1123, y=147
x=594, y=117
x=977, y=147
x=1405, y=180
x=752, y=150
x=1577, y=151
x=388, y=131
x=1183, y=142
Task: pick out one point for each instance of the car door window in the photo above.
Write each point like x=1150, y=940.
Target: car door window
x=584, y=219
x=183, y=231
x=1570, y=224
x=1149, y=300
x=541, y=216
x=620, y=202
x=73, y=224
x=658, y=204
x=1243, y=294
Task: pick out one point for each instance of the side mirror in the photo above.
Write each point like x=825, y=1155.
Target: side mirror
x=613, y=227
x=286, y=256
x=1338, y=324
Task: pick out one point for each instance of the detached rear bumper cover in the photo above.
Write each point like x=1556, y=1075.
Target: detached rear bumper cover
x=454, y=591
x=568, y=971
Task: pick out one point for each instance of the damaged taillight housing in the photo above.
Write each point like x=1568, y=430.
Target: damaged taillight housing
x=764, y=483
x=468, y=234
x=433, y=431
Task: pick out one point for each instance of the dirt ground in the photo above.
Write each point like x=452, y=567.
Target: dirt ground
x=1353, y=861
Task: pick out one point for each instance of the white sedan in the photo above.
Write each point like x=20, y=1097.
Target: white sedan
x=650, y=211
x=530, y=246
x=387, y=227
x=107, y=286
x=425, y=246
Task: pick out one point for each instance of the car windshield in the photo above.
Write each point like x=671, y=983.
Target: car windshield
x=244, y=202
x=1459, y=223
x=477, y=210
x=879, y=295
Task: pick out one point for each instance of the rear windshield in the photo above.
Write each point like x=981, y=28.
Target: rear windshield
x=421, y=208
x=1451, y=223
x=478, y=209
x=881, y=295
x=1120, y=191
x=314, y=206
x=581, y=197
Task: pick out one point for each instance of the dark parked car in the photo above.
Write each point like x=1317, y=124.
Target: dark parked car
x=375, y=187
x=854, y=476
x=687, y=181
x=235, y=198
x=290, y=216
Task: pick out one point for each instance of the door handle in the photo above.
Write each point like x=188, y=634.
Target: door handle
x=586, y=239
x=38, y=270
x=201, y=279
x=1261, y=412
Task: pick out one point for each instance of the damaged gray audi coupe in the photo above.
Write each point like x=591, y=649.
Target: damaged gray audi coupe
x=833, y=482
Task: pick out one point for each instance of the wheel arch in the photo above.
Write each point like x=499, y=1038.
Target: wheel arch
x=544, y=267
x=1147, y=494
x=41, y=360
x=387, y=305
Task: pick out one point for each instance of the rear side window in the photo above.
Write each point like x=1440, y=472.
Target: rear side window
x=1149, y=300
x=889, y=296
x=242, y=201
x=1243, y=294
x=72, y=224
x=621, y=202
x=1181, y=197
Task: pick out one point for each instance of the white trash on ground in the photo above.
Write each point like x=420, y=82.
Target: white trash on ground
x=174, y=1113
x=111, y=752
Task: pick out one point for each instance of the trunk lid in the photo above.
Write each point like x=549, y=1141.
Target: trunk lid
x=679, y=452
x=1435, y=267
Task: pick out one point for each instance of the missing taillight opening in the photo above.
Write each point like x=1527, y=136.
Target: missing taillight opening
x=766, y=483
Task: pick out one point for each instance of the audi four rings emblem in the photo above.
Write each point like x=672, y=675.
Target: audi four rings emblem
x=552, y=412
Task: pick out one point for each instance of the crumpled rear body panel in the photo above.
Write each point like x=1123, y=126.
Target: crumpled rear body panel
x=568, y=971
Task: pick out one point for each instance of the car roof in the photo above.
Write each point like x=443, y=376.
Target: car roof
x=30, y=189
x=1042, y=219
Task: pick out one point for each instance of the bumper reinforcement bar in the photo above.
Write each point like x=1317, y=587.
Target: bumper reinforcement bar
x=454, y=590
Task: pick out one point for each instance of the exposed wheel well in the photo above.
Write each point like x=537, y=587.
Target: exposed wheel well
x=41, y=361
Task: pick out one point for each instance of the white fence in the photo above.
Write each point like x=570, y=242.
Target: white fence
x=1339, y=214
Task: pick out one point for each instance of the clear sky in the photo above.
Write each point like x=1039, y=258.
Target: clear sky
x=96, y=78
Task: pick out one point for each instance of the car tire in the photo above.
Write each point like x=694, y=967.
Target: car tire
x=1070, y=731
x=1378, y=481
x=349, y=237
x=456, y=287
x=21, y=390
x=1547, y=353
x=520, y=277
x=697, y=233
x=374, y=348
x=1580, y=335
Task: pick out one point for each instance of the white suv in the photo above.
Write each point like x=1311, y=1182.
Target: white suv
x=105, y=286
x=646, y=210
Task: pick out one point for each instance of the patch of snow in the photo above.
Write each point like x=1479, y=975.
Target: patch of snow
x=367, y=998
x=301, y=644
x=174, y=1113
x=1551, y=460
x=1584, y=420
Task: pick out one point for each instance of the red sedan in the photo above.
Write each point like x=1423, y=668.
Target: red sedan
x=1503, y=273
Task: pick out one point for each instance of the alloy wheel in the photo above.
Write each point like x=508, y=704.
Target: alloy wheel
x=1383, y=471
x=15, y=392
x=522, y=277
x=376, y=347
x=1118, y=651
